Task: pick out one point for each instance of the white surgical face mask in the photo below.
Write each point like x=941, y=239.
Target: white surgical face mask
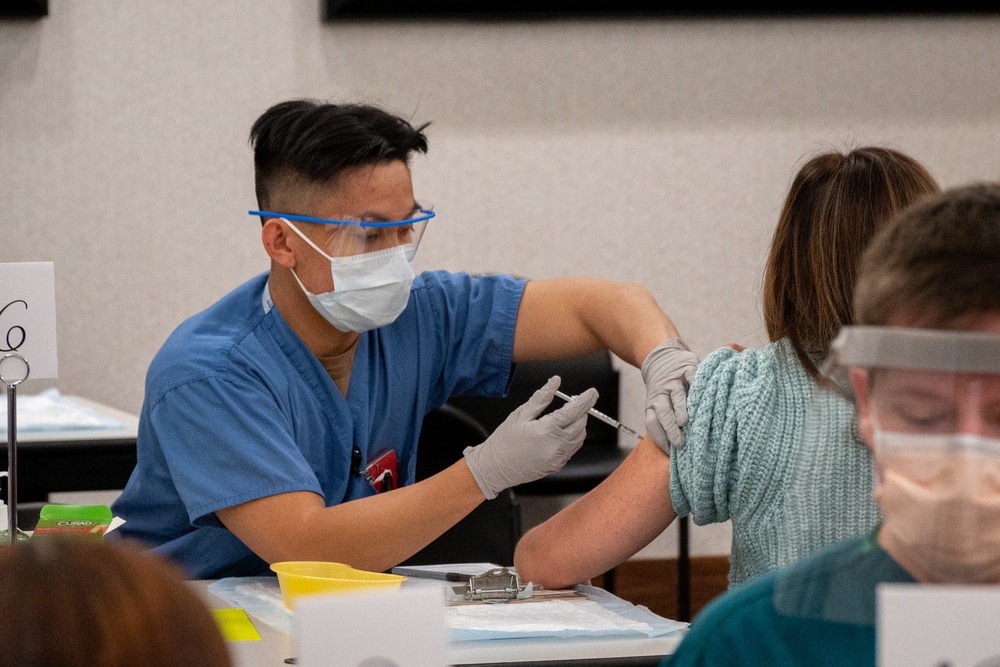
x=940, y=495
x=369, y=290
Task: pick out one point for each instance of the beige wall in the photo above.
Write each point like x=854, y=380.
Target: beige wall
x=655, y=151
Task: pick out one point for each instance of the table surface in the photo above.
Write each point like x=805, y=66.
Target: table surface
x=127, y=434
x=276, y=646
x=91, y=459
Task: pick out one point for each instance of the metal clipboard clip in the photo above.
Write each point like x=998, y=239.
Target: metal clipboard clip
x=494, y=586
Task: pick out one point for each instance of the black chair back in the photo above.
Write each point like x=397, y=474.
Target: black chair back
x=600, y=454
x=491, y=531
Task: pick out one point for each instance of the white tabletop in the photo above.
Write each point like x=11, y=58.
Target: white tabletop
x=275, y=646
x=127, y=433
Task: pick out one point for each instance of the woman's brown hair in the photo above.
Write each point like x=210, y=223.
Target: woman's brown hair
x=835, y=205
x=77, y=603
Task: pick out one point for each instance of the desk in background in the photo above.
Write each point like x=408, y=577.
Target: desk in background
x=275, y=646
x=75, y=460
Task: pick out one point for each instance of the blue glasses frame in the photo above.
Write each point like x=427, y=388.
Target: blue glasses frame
x=425, y=214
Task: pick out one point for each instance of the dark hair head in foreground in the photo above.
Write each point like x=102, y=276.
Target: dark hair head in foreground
x=937, y=263
x=79, y=603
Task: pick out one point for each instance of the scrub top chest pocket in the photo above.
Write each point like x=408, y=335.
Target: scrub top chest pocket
x=382, y=473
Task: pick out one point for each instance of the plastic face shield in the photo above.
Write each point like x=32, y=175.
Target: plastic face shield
x=932, y=399
x=929, y=407
x=349, y=238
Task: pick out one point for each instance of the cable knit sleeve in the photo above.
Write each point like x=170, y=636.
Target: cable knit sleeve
x=729, y=400
x=761, y=452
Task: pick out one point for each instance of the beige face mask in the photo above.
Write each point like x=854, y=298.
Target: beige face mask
x=940, y=496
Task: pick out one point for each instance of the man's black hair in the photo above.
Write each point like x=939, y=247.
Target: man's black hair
x=315, y=141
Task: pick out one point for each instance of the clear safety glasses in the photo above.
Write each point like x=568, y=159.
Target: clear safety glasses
x=346, y=238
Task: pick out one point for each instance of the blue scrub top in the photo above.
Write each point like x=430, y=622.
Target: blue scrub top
x=237, y=408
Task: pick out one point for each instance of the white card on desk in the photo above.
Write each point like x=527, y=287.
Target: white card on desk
x=401, y=627
x=935, y=625
x=28, y=317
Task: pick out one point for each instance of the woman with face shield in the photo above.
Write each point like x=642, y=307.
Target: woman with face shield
x=924, y=370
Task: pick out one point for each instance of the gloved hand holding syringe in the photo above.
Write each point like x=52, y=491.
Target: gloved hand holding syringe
x=603, y=417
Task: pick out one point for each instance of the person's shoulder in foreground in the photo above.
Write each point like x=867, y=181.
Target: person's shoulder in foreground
x=740, y=404
x=819, y=611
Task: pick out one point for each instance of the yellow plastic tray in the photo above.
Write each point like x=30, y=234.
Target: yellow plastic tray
x=298, y=578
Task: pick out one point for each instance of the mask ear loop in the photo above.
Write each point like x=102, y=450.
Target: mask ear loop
x=305, y=238
x=301, y=286
x=314, y=247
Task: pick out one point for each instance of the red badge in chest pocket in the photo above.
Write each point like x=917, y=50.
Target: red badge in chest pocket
x=382, y=473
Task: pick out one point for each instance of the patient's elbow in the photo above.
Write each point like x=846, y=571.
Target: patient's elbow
x=537, y=565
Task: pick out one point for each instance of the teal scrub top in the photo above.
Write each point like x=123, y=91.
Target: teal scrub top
x=818, y=612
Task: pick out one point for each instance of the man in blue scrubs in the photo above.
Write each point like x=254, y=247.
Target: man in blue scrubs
x=924, y=366
x=273, y=419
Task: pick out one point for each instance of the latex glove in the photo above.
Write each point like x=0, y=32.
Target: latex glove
x=525, y=447
x=668, y=371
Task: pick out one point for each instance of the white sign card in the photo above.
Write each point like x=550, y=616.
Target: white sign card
x=938, y=625
x=28, y=316
x=394, y=628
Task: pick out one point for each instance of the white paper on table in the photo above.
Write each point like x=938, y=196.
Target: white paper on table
x=261, y=597
x=258, y=596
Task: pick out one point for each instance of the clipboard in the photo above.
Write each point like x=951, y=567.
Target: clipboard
x=502, y=585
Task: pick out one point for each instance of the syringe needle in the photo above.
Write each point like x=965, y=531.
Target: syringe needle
x=632, y=433
x=603, y=417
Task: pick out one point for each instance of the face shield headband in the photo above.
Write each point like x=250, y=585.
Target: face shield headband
x=916, y=349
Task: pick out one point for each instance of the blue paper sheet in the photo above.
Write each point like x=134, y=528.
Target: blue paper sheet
x=601, y=615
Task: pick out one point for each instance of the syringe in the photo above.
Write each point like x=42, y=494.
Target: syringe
x=603, y=417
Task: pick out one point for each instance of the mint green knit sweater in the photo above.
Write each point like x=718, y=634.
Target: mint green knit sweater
x=744, y=460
